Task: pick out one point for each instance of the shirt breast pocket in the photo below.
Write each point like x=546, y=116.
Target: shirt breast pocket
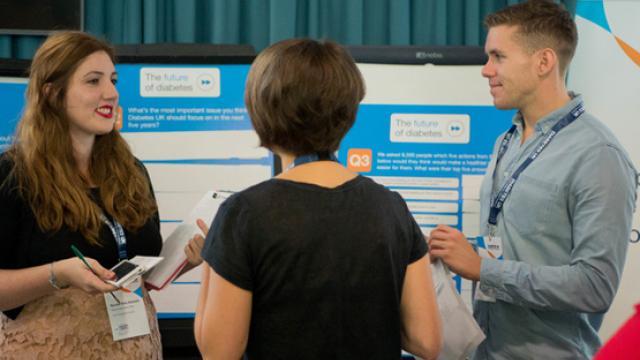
x=532, y=205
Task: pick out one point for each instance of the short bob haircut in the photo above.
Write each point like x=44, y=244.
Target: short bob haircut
x=302, y=96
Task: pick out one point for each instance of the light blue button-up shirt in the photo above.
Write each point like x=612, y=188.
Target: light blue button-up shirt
x=565, y=231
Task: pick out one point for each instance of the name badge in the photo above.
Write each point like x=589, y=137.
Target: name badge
x=128, y=318
x=489, y=247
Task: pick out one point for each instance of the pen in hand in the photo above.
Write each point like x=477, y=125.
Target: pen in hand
x=81, y=257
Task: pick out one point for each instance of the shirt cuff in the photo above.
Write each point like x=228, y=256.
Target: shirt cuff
x=491, y=276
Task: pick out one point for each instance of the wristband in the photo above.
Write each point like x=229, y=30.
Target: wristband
x=52, y=278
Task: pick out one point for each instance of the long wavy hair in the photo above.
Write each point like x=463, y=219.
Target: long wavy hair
x=45, y=170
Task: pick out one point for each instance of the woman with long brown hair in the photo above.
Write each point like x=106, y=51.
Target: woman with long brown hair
x=70, y=179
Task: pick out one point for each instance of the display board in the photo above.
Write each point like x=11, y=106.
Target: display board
x=13, y=84
x=427, y=131
x=12, y=100
x=606, y=71
x=184, y=117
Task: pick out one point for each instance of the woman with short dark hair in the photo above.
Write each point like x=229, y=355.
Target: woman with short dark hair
x=318, y=262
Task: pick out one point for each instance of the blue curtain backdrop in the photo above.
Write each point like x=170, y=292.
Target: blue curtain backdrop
x=262, y=22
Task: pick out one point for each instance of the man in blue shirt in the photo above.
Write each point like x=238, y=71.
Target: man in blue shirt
x=556, y=202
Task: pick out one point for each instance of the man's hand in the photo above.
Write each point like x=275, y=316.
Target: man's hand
x=452, y=247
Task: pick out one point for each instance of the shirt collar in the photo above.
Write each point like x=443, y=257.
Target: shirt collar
x=546, y=122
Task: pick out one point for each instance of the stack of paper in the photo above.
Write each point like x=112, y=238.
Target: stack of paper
x=173, y=248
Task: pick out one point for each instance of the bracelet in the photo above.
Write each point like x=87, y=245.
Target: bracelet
x=52, y=278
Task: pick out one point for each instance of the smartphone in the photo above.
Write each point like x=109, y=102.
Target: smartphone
x=125, y=271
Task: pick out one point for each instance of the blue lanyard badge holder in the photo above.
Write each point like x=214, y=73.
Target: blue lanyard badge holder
x=309, y=158
x=118, y=234
x=490, y=246
x=127, y=314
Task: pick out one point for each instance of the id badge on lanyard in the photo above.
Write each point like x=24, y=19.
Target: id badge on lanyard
x=118, y=234
x=491, y=246
x=128, y=317
x=500, y=198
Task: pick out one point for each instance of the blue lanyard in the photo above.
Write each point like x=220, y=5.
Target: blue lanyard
x=498, y=201
x=319, y=156
x=118, y=234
